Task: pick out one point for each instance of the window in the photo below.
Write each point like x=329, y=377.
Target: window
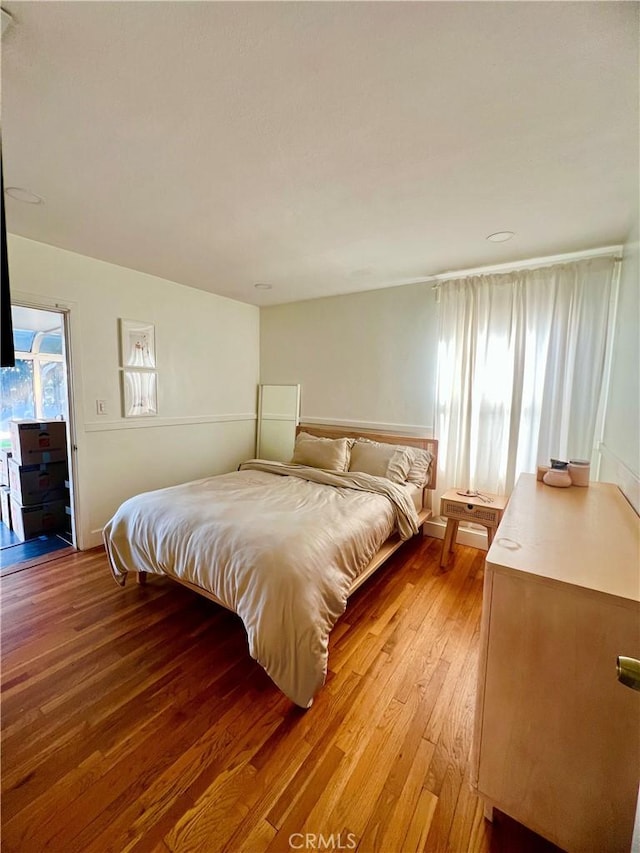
x=36, y=387
x=520, y=371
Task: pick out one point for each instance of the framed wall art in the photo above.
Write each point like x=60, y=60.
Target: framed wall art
x=139, y=393
x=137, y=344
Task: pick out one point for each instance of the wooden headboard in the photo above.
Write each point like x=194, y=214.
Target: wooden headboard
x=430, y=444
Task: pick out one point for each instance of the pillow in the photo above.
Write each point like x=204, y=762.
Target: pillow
x=381, y=460
x=420, y=466
x=332, y=454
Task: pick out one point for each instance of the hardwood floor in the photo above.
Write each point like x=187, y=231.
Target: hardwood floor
x=134, y=719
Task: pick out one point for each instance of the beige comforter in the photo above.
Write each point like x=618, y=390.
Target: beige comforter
x=277, y=544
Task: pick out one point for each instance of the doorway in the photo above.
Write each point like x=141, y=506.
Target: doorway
x=36, y=389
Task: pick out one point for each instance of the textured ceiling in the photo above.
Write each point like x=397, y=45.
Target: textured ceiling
x=320, y=147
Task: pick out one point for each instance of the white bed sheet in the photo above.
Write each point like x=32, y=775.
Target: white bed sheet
x=280, y=551
x=415, y=495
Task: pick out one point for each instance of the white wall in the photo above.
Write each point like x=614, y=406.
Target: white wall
x=208, y=368
x=367, y=359
x=621, y=444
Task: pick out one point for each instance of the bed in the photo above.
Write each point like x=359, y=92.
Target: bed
x=283, y=545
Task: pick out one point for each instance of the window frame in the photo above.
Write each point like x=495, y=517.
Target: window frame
x=38, y=360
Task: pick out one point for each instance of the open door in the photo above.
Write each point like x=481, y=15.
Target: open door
x=37, y=388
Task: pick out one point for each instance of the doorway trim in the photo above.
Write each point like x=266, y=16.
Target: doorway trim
x=67, y=309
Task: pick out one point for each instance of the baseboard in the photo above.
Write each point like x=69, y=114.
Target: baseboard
x=94, y=540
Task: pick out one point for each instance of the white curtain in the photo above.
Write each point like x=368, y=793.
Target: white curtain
x=520, y=368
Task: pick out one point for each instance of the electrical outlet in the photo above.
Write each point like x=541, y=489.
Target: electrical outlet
x=101, y=407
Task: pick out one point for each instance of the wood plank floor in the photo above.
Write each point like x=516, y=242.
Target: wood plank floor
x=134, y=720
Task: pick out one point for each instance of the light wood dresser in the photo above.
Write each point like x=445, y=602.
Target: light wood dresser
x=557, y=737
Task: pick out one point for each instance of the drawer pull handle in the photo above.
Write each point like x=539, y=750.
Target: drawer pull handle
x=628, y=671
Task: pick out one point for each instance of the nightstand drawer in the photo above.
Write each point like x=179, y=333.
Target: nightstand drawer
x=486, y=515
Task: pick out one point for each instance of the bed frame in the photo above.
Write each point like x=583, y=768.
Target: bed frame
x=394, y=542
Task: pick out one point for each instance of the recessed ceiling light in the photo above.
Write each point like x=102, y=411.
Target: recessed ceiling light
x=261, y=286
x=500, y=236
x=20, y=194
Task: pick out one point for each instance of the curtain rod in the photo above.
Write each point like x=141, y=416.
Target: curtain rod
x=531, y=263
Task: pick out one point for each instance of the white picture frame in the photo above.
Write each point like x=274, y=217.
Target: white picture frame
x=137, y=344
x=139, y=393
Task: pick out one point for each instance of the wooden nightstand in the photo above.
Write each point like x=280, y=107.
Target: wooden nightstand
x=485, y=509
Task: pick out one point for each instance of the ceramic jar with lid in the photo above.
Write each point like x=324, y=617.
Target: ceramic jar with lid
x=558, y=475
x=579, y=471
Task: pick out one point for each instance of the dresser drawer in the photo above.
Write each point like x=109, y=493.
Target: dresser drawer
x=486, y=515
